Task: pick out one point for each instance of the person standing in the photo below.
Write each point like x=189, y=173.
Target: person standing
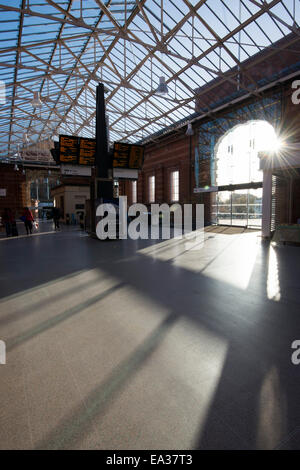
x=28, y=220
x=8, y=221
x=56, y=217
x=81, y=220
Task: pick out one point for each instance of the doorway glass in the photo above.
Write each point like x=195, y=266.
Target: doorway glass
x=224, y=207
x=255, y=207
x=239, y=215
x=241, y=207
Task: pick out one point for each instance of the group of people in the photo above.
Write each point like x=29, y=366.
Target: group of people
x=9, y=221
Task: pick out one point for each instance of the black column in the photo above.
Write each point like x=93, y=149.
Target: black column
x=103, y=163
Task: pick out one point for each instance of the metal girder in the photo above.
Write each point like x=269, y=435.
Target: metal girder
x=55, y=19
x=98, y=64
x=126, y=45
x=16, y=72
x=167, y=38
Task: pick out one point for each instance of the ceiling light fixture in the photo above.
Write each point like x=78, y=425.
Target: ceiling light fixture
x=189, y=130
x=162, y=88
x=36, y=102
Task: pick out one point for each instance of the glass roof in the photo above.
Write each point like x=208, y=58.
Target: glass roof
x=64, y=49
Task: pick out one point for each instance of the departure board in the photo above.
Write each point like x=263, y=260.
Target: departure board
x=68, y=148
x=82, y=150
x=136, y=156
x=128, y=156
x=121, y=155
x=87, y=151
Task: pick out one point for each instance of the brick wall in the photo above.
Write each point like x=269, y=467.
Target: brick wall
x=169, y=154
x=15, y=184
x=175, y=152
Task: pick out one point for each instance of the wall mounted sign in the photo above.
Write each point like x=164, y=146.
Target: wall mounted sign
x=3, y=192
x=126, y=173
x=76, y=170
x=87, y=151
x=68, y=149
x=121, y=155
x=136, y=156
x=77, y=150
x=128, y=156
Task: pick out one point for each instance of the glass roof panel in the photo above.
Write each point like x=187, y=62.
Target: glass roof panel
x=63, y=49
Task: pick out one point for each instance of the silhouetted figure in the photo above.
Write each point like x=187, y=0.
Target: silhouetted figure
x=27, y=218
x=9, y=221
x=81, y=220
x=56, y=217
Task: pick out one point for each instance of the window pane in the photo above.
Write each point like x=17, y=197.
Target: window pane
x=255, y=207
x=224, y=207
x=175, y=186
x=151, y=188
x=240, y=207
x=134, y=195
x=237, y=159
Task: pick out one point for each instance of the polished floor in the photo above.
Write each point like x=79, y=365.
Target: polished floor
x=148, y=344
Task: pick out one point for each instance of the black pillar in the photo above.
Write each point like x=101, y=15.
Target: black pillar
x=103, y=161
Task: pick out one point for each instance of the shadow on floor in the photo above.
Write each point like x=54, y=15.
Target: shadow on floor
x=256, y=403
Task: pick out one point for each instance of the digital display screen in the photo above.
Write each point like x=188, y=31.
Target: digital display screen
x=136, y=156
x=68, y=149
x=82, y=150
x=87, y=151
x=128, y=156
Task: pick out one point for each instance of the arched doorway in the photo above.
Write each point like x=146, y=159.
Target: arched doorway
x=237, y=173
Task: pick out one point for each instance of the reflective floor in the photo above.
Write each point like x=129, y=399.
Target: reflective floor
x=149, y=344
x=43, y=226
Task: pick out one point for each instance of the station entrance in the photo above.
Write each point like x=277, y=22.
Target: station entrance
x=237, y=175
x=240, y=207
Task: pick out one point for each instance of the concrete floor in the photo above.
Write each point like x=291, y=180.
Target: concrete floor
x=147, y=345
